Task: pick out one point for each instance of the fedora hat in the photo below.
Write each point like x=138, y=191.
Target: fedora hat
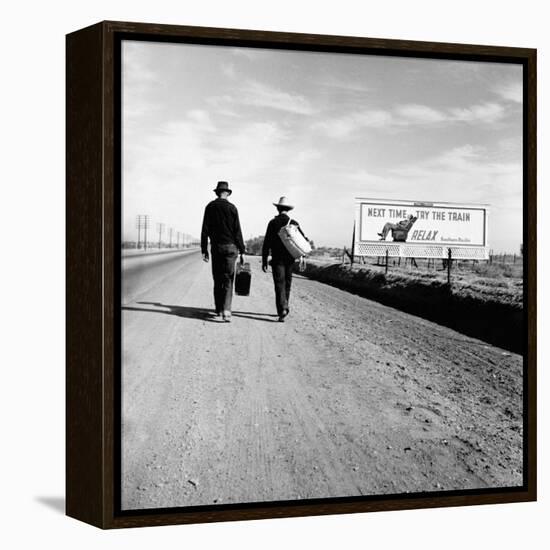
x=223, y=186
x=283, y=203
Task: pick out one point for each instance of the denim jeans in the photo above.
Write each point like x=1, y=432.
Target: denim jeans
x=224, y=257
x=282, y=280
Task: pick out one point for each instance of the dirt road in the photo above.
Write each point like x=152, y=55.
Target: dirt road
x=348, y=397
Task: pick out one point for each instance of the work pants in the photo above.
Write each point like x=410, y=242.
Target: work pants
x=224, y=257
x=282, y=280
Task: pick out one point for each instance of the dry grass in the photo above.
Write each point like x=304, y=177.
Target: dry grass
x=484, y=301
x=496, y=282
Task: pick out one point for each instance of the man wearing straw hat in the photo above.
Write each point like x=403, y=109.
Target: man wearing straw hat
x=221, y=224
x=282, y=261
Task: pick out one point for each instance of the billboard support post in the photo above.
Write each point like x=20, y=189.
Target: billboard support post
x=353, y=245
x=387, y=259
x=449, y=262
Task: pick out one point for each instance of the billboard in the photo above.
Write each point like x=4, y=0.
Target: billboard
x=413, y=228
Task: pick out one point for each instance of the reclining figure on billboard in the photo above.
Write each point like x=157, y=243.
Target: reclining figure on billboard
x=399, y=230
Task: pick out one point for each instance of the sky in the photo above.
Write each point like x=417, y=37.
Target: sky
x=319, y=128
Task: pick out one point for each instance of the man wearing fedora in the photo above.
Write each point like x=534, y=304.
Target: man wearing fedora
x=282, y=261
x=221, y=225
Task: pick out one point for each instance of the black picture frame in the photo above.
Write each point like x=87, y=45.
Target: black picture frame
x=93, y=167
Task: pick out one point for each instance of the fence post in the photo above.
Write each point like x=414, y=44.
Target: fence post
x=387, y=258
x=449, y=260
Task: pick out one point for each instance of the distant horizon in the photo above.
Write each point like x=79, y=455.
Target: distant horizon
x=320, y=128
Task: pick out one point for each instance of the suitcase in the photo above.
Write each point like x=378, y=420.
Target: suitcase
x=243, y=278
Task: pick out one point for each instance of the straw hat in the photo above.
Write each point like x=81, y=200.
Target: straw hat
x=283, y=203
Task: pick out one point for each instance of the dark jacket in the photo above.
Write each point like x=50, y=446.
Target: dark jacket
x=273, y=243
x=221, y=223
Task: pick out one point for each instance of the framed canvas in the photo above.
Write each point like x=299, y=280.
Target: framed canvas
x=301, y=274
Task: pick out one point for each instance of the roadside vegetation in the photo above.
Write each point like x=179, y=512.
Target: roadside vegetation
x=484, y=300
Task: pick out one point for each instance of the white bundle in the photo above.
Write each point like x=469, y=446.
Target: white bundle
x=296, y=244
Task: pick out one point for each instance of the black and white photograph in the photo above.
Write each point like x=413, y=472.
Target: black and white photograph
x=272, y=275
x=321, y=275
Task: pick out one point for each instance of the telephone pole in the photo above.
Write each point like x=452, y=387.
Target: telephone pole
x=170, y=231
x=160, y=227
x=142, y=223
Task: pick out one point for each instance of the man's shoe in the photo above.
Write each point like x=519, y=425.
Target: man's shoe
x=281, y=319
x=285, y=313
x=226, y=315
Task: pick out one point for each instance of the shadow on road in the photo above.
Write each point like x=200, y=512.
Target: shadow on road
x=202, y=314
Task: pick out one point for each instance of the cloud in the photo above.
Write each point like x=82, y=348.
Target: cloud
x=136, y=61
x=201, y=119
x=344, y=86
x=341, y=127
x=467, y=162
x=483, y=113
x=407, y=115
x=228, y=69
x=511, y=146
x=261, y=95
x=169, y=172
x=249, y=53
x=254, y=94
x=466, y=174
x=512, y=91
x=460, y=174
x=347, y=125
x=137, y=82
x=411, y=115
x=270, y=135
